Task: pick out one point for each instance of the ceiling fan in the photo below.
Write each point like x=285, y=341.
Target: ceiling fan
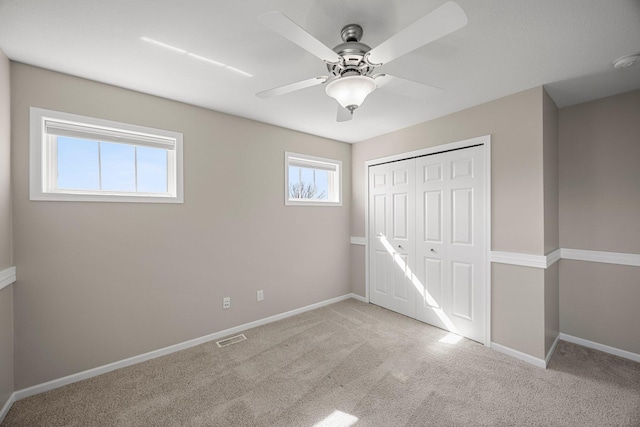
x=351, y=64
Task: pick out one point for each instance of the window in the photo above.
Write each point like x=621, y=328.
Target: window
x=312, y=180
x=77, y=158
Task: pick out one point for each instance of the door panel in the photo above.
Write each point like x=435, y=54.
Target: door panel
x=433, y=282
x=459, y=304
x=432, y=214
x=462, y=287
x=400, y=216
x=462, y=216
x=400, y=176
x=401, y=288
x=467, y=263
x=427, y=239
x=379, y=214
x=379, y=276
x=461, y=168
x=392, y=234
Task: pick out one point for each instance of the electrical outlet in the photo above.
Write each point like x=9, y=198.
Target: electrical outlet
x=260, y=295
x=226, y=302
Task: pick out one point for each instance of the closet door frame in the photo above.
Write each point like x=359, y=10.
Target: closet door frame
x=484, y=141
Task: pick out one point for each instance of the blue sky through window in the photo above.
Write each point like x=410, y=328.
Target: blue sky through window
x=152, y=170
x=299, y=175
x=118, y=164
x=82, y=164
x=78, y=164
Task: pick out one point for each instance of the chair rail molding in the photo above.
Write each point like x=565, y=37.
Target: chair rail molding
x=600, y=256
x=362, y=241
x=526, y=260
x=546, y=261
x=7, y=276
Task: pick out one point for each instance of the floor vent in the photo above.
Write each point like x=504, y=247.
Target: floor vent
x=232, y=340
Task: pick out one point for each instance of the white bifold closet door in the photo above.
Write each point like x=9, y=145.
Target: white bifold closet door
x=392, y=236
x=427, y=239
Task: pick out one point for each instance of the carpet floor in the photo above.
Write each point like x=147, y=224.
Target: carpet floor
x=345, y=364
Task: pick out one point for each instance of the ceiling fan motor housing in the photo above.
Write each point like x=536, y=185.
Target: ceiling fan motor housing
x=352, y=54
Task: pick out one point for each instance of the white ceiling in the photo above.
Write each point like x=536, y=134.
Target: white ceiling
x=507, y=47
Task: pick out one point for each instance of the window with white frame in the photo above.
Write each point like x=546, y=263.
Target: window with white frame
x=78, y=158
x=312, y=180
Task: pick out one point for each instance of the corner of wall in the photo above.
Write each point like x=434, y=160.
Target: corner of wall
x=7, y=273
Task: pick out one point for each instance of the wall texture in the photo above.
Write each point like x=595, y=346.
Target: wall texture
x=517, y=308
x=551, y=165
x=515, y=124
x=100, y=282
x=599, y=210
x=599, y=174
x=551, y=160
x=6, y=294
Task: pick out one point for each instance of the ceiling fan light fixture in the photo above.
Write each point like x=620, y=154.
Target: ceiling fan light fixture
x=351, y=91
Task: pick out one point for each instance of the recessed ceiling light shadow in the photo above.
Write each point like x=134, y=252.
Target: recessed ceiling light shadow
x=210, y=61
x=195, y=56
x=164, y=45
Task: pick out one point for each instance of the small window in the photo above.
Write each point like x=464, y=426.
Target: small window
x=77, y=158
x=312, y=180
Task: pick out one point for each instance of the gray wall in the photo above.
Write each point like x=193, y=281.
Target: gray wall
x=599, y=210
x=515, y=124
x=551, y=164
x=100, y=282
x=6, y=294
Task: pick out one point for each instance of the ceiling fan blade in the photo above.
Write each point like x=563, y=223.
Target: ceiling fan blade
x=284, y=26
x=344, y=115
x=291, y=87
x=444, y=20
x=408, y=88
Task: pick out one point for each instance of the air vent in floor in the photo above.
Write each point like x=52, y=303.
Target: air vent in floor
x=231, y=340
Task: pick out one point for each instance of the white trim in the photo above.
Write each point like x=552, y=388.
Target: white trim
x=90, y=373
x=601, y=347
x=553, y=257
x=366, y=232
x=481, y=140
x=487, y=226
x=599, y=256
x=359, y=298
x=5, y=409
x=540, y=363
x=546, y=261
x=337, y=187
x=524, y=260
x=551, y=351
x=7, y=277
x=359, y=241
x=43, y=176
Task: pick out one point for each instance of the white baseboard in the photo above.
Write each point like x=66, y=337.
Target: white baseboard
x=601, y=347
x=69, y=379
x=540, y=363
x=5, y=409
x=551, y=351
x=359, y=298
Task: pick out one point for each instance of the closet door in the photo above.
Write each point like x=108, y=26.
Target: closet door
x=392, y=236
x=450, y=226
